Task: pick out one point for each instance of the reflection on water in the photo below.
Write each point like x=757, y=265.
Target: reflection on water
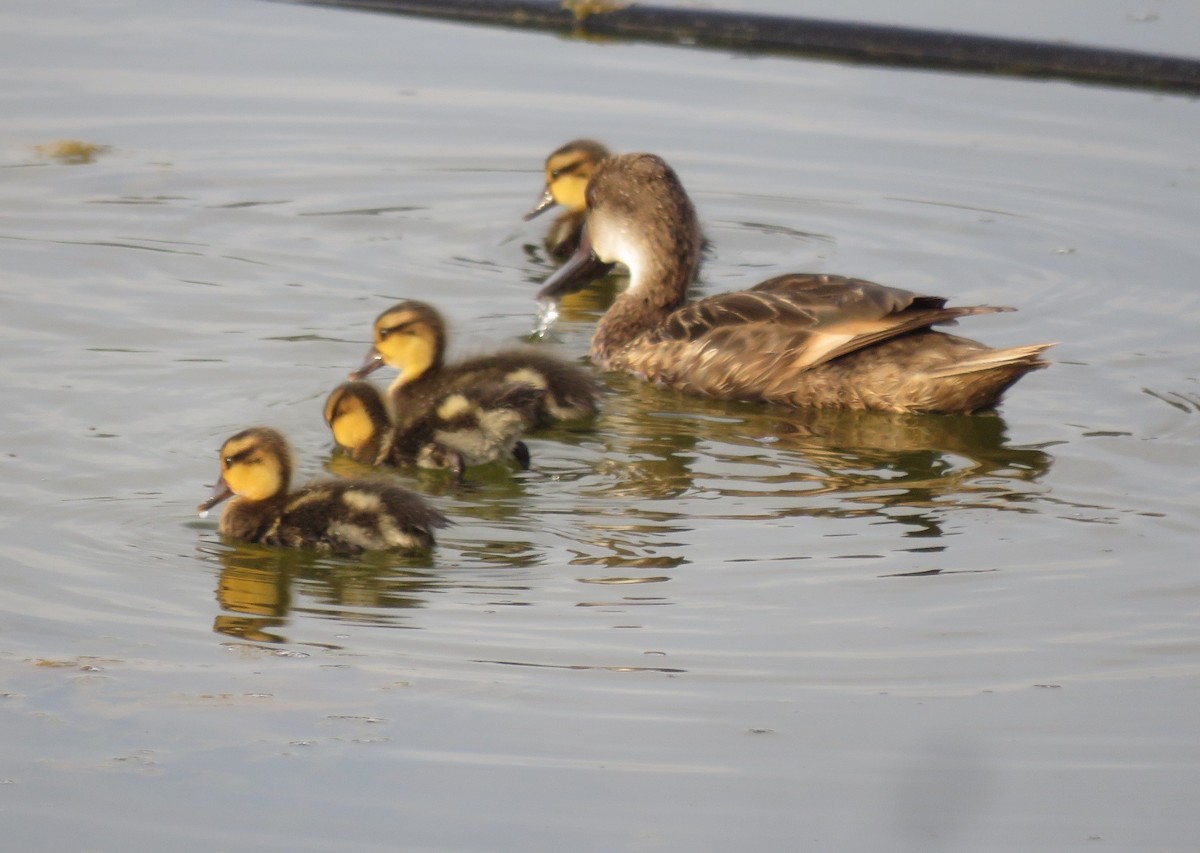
x=259, y=587
x=659, y=463
x=666, y=459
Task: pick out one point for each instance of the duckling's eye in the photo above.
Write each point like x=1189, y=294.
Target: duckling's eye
x=239, y=457
x=565, y=170
x=396, y=330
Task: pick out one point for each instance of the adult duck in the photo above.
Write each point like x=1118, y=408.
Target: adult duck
x=800, y=339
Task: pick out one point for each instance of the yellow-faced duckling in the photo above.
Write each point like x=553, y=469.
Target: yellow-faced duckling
x=411, y=337
x=474, y=426
x=567, y=171
x=800, y=339
x=343, y=516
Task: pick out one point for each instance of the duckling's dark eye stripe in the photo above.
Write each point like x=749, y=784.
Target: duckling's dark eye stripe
x=566, y=170
x=240, y=456
x=399, y=327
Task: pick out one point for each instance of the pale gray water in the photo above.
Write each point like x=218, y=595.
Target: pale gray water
x=692, y=626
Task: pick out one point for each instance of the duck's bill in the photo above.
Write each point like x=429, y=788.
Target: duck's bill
x=220, y=492
x=580, y=270
x=370, y=364
x=544, y=203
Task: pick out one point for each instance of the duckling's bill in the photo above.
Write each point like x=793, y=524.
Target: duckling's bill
x=544, y=203
x=220, y=492
x=371, y=363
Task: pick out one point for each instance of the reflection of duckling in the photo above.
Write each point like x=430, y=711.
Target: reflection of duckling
x=344, y=516
x=411, y=337
x=474, y=426
x=567, y=171
x=800, y=339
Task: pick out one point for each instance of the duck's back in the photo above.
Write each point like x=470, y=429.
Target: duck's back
x=817, y=340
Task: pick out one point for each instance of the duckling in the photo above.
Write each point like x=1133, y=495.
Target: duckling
x=341, y=516
x=411, y=336
x=567, y=171
x=800, y=339
x=473, y=426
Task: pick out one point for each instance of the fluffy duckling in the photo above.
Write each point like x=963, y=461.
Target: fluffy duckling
x=470, y=427
x=411, y=337
x=801, y=339
x=567, y=172
x=342, y=516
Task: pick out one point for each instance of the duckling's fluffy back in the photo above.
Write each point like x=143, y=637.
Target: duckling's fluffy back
x=341, y=516
x=472, y=426
x=570, y=391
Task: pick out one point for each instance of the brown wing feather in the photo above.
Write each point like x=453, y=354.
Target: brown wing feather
x=754, y=344
x=811, y=318
x=837, y=297
x=801, y=301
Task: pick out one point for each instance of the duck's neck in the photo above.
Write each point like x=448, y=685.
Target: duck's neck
x=658, y=284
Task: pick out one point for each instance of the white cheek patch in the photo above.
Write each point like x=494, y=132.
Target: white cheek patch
x=620, y=247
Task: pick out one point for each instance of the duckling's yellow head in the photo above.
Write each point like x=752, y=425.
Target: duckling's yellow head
x=411, y=337
x=567, y=172
x=256, y=464
x=356, y=414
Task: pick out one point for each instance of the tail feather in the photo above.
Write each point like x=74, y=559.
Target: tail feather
x=1028, y=357
x=831, y=345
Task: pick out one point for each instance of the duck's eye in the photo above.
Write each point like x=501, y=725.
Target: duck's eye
x=228, y=461
x=554, y=176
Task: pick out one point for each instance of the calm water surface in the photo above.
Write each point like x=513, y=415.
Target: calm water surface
x=692, y=625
